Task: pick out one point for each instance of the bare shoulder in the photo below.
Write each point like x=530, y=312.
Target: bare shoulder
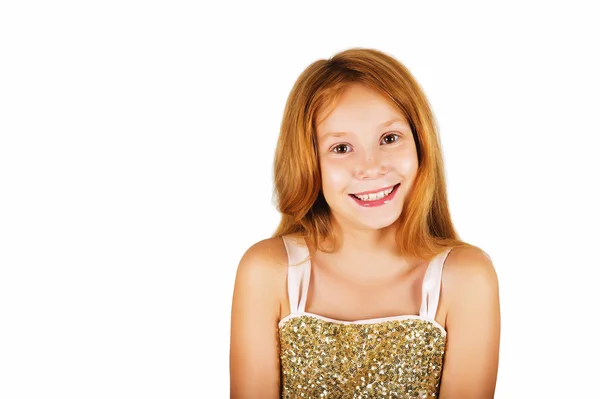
x=267, y=256
x=472, y=320
x=469, y=272
x=256, y=307
x=262, y=270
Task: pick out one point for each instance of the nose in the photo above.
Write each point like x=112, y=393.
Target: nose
x=371, y=167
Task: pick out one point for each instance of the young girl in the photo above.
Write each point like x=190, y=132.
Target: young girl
x=348, y=298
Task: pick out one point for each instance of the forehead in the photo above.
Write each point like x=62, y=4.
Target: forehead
x=358, y=107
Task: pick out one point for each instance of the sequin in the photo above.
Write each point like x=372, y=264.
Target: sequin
x=399, y=358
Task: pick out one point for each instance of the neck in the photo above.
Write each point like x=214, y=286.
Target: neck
x=353, y=241
x=366, y=252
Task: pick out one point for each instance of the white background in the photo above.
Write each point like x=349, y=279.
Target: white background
x=136, y=150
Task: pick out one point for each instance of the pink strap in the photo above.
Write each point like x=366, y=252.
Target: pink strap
x=432, y=285
x=298, y=273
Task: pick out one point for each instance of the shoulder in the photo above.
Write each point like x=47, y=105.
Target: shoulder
x=262, y=272
x=255, y=312
x=468, y=274
x=265, y=258
x=472, y=322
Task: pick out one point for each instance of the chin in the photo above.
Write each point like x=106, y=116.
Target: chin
x=369, y=221
x=377, y=223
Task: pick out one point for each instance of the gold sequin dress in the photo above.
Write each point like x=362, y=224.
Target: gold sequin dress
x=391, y=357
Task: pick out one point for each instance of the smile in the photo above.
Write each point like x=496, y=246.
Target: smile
x=375, y=198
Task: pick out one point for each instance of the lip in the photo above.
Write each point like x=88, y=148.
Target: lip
x=375, y=191
x=379, y=202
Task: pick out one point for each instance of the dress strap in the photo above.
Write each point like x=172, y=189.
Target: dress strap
x=298, y=272
x=432, y=284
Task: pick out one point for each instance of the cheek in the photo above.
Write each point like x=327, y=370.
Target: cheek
x=335, y=176
x=409, y=165
x=407, y=162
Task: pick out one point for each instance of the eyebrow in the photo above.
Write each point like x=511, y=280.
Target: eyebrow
x=384, y=124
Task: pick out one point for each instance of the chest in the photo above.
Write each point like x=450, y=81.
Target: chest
x=342, y=297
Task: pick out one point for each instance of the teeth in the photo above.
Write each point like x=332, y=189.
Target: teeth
x=374, y=196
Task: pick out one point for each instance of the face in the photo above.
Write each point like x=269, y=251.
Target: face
x=368, y=159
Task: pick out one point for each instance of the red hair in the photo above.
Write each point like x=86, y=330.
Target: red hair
x=424, y=226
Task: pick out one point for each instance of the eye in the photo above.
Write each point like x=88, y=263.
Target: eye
x=390, y=138
x=341, y=148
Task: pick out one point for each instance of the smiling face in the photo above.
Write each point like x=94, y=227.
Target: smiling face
x=368, y=159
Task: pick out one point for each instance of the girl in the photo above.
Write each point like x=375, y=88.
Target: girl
x=348, y=298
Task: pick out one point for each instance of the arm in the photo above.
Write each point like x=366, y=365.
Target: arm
x=254, y=346
x=473, y=324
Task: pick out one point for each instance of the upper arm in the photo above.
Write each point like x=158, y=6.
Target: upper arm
x=254, y=346
x=470, y=284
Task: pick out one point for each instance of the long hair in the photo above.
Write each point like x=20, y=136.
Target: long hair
x=424, y=227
